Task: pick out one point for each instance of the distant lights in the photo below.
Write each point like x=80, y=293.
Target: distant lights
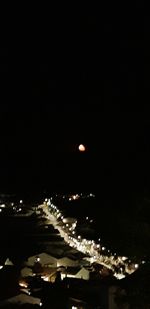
x=124, y=258
x=2, y=205
x=74, y=197
x=116, y=263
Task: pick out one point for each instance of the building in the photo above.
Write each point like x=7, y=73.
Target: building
x=21, y=299
x=26, y=272
x=44, y=259
x=75, y=272
x=67, y=262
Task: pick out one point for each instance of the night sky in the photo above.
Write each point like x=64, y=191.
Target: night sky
x=77, y=79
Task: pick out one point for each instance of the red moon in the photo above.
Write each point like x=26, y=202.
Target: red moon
x=81, y=147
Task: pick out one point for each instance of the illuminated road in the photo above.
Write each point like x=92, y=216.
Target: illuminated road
x=118, y=264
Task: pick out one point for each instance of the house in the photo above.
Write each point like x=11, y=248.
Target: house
x=49, y=274
x=83, y=273
x=21, y=299
x=43, y=258
x=26, y=272
x=67, y=262
x=8, y=262
x=75, y=272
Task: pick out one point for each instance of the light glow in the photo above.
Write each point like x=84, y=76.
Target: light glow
x=119, y=265
x=81, y=148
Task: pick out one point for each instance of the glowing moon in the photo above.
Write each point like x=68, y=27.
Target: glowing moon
x=81, y=147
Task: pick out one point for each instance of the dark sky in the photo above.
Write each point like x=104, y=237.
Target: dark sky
x=82, y=78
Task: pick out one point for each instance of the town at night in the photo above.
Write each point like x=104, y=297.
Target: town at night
x=75, y=157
